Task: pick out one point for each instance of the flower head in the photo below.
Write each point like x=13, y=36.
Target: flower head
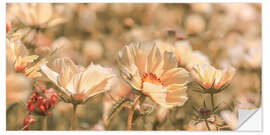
x=76, y=83
x=210, y=78
x=153, y=73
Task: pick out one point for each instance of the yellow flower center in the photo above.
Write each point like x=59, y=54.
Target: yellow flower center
x=151, y=78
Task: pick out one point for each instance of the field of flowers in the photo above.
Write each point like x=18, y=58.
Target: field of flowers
x=109, y=66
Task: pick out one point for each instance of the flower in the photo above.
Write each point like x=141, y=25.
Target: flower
x=153, y=73
x=17, y=54
x=230, y=118
x=210, y=78
x=188, y=58
x=37, y=14
x=76, y=83
x=247, y=56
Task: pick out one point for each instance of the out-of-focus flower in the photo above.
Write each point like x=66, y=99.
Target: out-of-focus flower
x=188, y=58
x=248, y=56
x=195, y=24
x=92, y=50
x=18, y=87
x=154, y=74
x=76, y=83
x=37, y=15
x=248, y=100
x=253, y=59
x=27, y=122
x=205, y=8
x=99, y=126
x=128, y=22
x=230, y=118
x=8, y=26
x=233, y=11
x=164, y=46
x=42, y=101
x=17, y=54
x=211, y=79
x=87, y=17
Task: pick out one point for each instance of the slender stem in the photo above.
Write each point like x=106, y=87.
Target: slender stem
x=73, y=120
x=212, y=101
x=44, y=123
x=213, y=105
x=206, y=123
x=131, y=112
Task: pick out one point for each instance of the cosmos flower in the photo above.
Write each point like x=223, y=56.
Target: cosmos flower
x=210, y=78
x=37, y=14
x=153, y=73
x=188, y=58
x=76, y=83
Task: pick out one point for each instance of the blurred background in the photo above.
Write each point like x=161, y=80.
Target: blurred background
x=228, y=34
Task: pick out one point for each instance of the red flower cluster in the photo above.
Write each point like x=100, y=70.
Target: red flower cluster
x=42, y=101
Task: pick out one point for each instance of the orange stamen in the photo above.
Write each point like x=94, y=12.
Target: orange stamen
x=151, y=78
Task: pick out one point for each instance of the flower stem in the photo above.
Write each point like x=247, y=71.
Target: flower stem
x=73, y=120
x=131, y=112
x=212, y=101
x=44, y=123
x=206, y=123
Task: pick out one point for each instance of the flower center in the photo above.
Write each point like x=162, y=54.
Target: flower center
x=150, y=78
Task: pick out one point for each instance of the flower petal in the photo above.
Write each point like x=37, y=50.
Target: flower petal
x=157, y=93
x=176, y=94
x=175, y=76
x=54, y=77
x=93, y=80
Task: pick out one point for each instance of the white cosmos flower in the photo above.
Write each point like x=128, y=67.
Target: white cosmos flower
x=153, y=73
x=76, y=83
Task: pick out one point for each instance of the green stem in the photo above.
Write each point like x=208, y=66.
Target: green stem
x=73, y=120
x=44, y=123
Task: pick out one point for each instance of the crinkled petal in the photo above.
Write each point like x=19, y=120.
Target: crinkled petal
x=175, y=76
